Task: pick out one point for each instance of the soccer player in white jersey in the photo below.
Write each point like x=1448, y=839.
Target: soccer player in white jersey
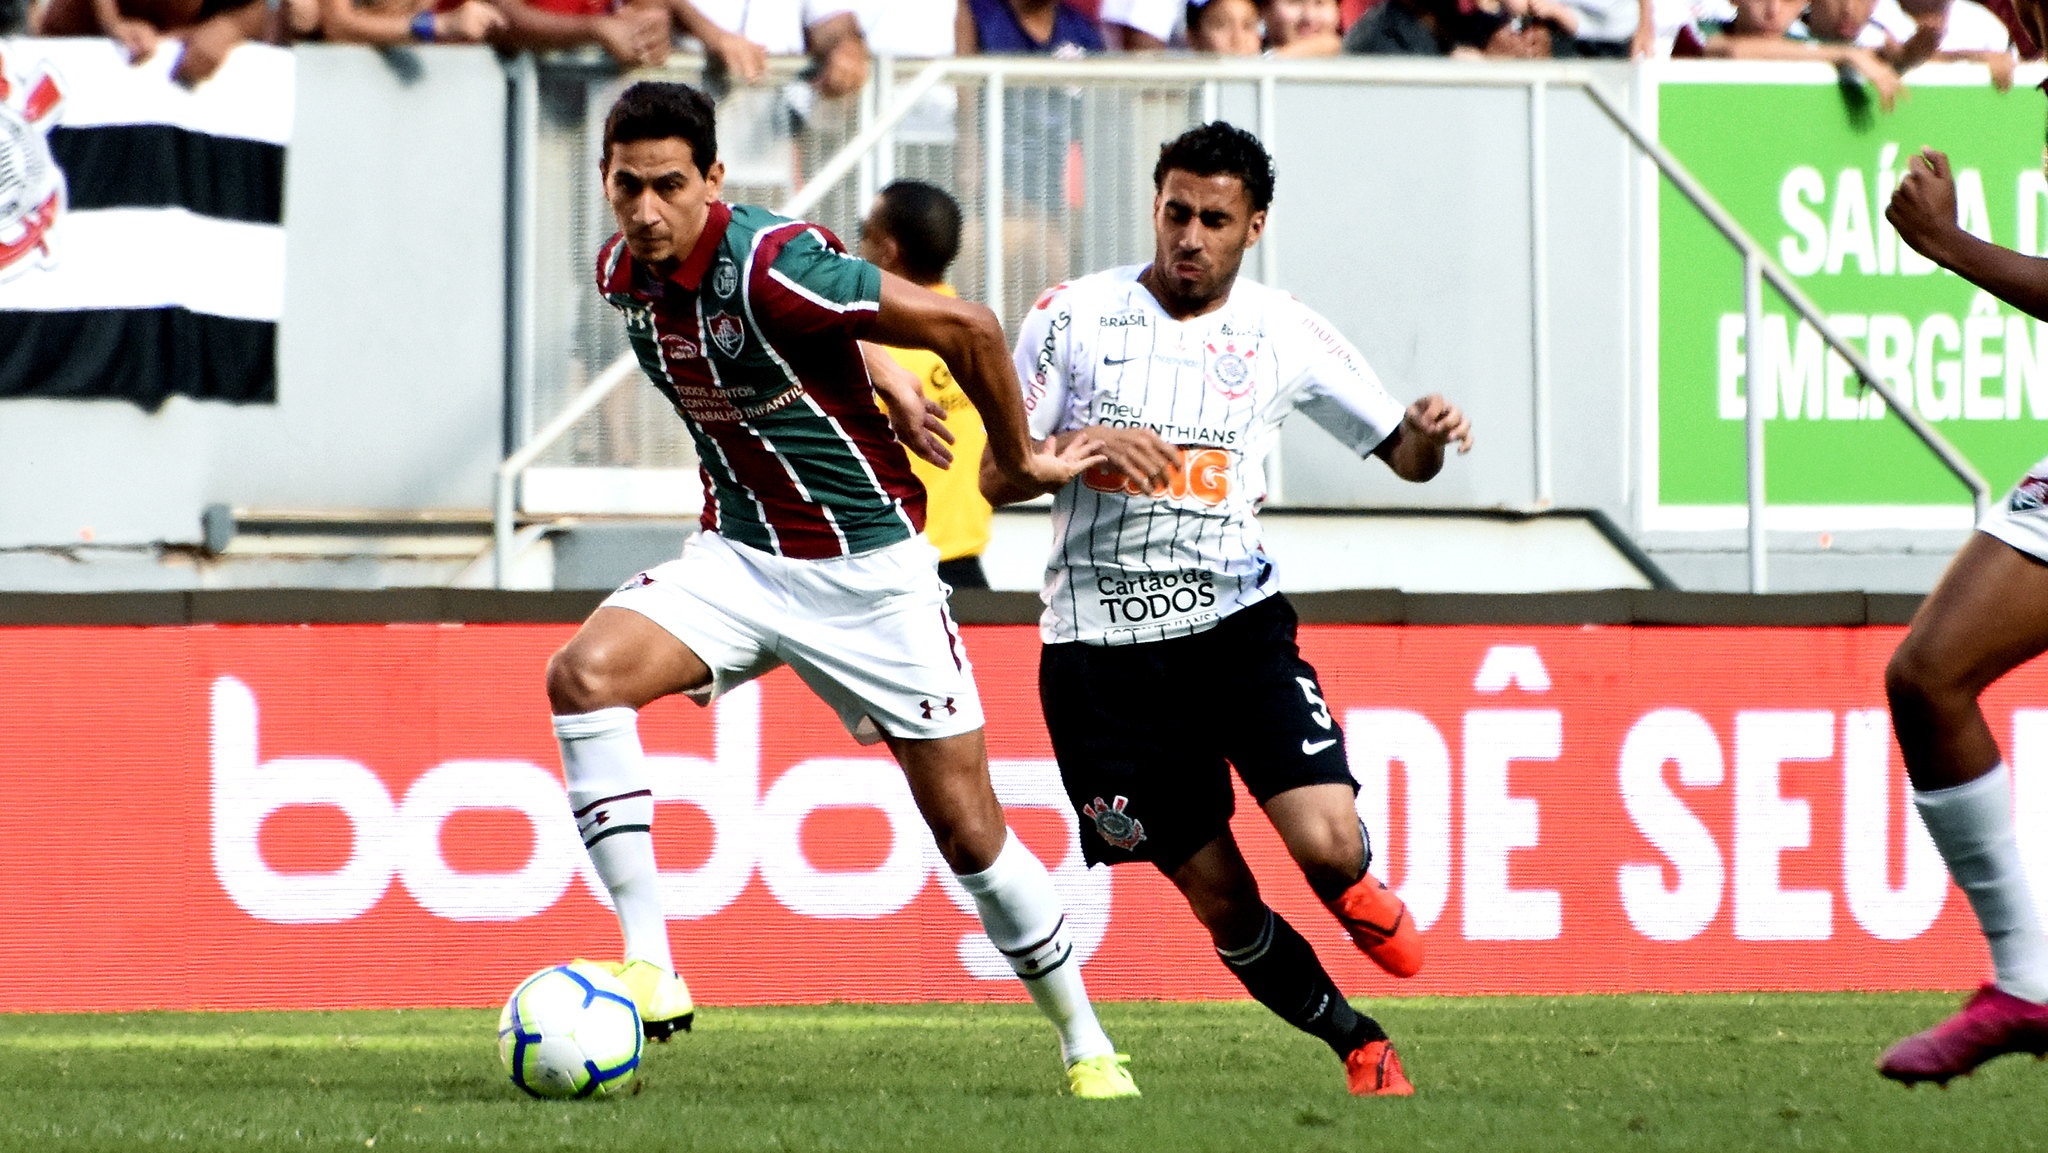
x=811, y=552
x=1169, y=654
x=1986, y=616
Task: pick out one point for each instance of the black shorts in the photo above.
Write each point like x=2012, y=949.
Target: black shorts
x=1145, y=734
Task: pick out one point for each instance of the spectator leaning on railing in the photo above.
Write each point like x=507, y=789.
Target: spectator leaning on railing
x=1139, y=25
x=206, y=29
x=635, y=33
x=740, y=35
x=1224, y=27
x=1972, y=36
x=1760, y=30
x=1840, y=22
x=392, y=23
x=1038, y=27
x=1301, y=27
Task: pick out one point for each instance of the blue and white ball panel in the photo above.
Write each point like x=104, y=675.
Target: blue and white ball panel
x=570, y=1031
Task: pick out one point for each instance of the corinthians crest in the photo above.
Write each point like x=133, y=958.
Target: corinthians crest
x=31, y=184
x=1116, y=826
x=1230, y=370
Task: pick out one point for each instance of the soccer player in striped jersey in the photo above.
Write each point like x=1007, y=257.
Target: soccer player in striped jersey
x=1169, y=654
x=811, y=552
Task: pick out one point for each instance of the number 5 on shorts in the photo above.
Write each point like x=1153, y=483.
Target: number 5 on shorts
x=1320, y=711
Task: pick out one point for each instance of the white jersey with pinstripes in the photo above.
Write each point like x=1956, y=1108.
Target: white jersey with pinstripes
x=1130, y=565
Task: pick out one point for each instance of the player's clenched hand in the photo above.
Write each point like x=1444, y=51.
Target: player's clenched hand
x=1439, y=421
x=1923, y=209
x=1138, y=453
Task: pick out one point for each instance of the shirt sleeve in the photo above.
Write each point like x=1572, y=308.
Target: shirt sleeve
x=812, y=287
x=1339, y=390
x=1043, y=363
x=815, y=11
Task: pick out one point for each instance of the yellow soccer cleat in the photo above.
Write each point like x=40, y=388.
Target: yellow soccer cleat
x=661, y=997
x=1101, y=1078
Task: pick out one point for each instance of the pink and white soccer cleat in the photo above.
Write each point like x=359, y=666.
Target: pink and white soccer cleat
x=1992, y=1023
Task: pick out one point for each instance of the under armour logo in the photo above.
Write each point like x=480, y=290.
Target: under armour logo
x=930, y=708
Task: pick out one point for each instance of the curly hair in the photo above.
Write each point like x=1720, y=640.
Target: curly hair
x=658, y=110
x=1219, y=149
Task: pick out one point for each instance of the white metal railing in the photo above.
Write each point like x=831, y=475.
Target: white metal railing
x=886, y=105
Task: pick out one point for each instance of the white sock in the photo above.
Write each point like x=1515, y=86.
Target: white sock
x=614, y=806
x=1972, y=826
x=1020, y=912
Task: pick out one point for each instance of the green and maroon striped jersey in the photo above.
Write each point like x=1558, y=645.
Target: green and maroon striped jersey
x=753, y=339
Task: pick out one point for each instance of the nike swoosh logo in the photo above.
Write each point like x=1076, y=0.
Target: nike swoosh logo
x=1311, y=748
x=1125, y=360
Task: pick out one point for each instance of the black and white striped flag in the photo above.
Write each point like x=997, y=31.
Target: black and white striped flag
x=141, y=223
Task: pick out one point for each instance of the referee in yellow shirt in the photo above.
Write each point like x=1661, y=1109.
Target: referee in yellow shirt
x=913, y=230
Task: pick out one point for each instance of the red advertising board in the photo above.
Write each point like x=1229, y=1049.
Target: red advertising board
x=335, y=816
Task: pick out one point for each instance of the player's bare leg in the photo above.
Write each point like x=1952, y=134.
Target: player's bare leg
x=1320, y=827
x=1280, y=970
x=1987, y=616
x=1020, y=911
x=616, y=664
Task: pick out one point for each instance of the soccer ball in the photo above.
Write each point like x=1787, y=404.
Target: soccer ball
x=570, y=1031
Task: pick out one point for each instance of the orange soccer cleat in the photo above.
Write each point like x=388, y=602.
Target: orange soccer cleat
x=1380, y=926
x=1374, y=1070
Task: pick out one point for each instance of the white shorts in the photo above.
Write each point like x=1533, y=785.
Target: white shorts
x=2021, y=519
x=869, y=633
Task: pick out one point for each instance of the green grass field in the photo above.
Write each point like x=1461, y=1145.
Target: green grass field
x=1726, y=1073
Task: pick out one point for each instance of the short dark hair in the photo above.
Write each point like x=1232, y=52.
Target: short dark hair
x=1219, y=149
x=659, y=110
x=925, y=224
x=13, y=17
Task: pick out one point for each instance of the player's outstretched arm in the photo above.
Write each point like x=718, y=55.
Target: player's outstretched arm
x=968, y=338
x=1923, y=210
x=1416, y=449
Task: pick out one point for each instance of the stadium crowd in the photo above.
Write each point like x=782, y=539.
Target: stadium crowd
x=1874, y=42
